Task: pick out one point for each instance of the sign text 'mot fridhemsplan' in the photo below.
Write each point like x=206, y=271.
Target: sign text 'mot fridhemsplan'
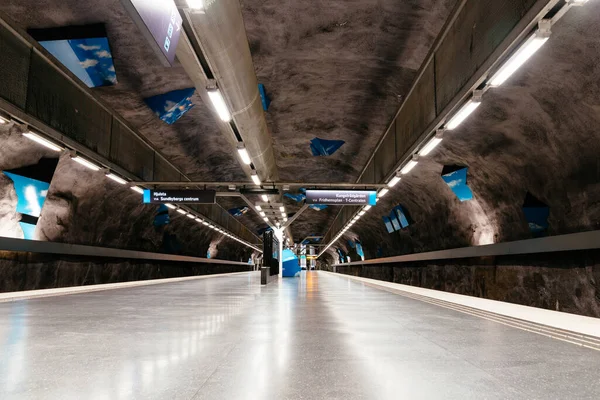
x=180, y=196
x=342, y=197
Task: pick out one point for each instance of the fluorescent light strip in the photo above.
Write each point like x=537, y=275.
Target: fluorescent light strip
x=383, y=192
x=266, y=219
x=244, y=154
x=191, y=216
x=219, y=103
x=282, y=208
x=265, y=198
x=116, y=178
x=180, y=211
x=367, y=208
x=432, y=144
x=3, y=120
x=196, y=5
x=40, y=140
x=86, y=163
x=520, y=57
x=198, y=220
x=394, y=181
x=262, y=214
x=255, y=178
x=408, y=167
x=258, y=208
x=171, y=206
x=466, y=110
x=137, y=189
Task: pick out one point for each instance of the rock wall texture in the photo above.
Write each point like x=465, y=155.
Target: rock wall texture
x=84, y=207
x=568, y=282
x=537, y=133
x=25, y=271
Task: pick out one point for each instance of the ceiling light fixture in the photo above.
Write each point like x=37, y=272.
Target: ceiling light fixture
x=433, y=143
x=40, y=140
x=3, y=120
x=524, y=53
x=258, y=208
x=367, y=208
x=282, y=208
x=394, y=181
x=116, y=178
x=137, y=189
x=191, y=216
x=219, y=103
x=196, y=5
x=86, y=163
x=255, y=178
x=171, y=206
x=244, y=154
x=410, y=165
x=180, y=211
x=266, y=219
x=466, y=110
x=383, y=192
x=262, y=213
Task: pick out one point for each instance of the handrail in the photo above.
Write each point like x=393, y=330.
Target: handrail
x=570, y=242
x=35, y=246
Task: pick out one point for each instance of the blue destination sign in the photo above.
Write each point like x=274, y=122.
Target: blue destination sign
x=160, y=23
x=342, y=197
x=180, y=196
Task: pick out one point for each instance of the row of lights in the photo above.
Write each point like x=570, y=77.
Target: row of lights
x=262, y=213
x=220, y=105
x=191, y=215
x=529, y=47
x=218, y=101
x=116, y=178
x=354, y=220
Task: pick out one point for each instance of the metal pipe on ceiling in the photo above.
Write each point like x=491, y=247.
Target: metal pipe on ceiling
x=220, y=35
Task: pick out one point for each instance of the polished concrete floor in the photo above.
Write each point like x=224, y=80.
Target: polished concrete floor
x=320, y=336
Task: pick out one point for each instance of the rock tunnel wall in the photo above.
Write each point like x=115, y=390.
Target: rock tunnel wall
x=84, y=207
x=566, y=281
x=26, y=271
x=535, y=134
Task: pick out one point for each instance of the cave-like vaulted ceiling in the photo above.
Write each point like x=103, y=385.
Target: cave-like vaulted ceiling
x=333, y=69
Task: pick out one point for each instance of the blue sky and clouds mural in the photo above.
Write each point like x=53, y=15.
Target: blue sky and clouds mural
x=89, y=59
x=169, y=107
x=536, y=213
x=456, y=179
x=324, y=147
x=31, y=195
x=238, y=211
x=296, y=197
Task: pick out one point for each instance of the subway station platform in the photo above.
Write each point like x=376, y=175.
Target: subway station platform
x=320, y=336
